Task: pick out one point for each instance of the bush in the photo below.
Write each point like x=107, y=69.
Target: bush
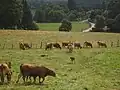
x=65, y=26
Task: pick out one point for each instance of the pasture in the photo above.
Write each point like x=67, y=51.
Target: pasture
x=76, y=26
x=94, y=68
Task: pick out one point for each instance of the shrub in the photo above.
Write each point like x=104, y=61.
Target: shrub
x=65, y=26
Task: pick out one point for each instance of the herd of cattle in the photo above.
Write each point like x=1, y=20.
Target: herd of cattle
x=26, y=71
x=29, y=70
x=68, y=45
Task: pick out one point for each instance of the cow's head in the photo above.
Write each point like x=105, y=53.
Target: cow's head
x=9, y=64
x=51, y=73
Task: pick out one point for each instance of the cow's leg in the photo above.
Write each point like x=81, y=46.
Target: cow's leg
x=27, y=78
x=2, y=78
x=23, y=78
x=43, y=78
x=39, y=79
x=30, y=78
x=19, y=76
x=34, y=79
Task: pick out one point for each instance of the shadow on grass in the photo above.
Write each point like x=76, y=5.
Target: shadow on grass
x=30, y=84
x=24, y=84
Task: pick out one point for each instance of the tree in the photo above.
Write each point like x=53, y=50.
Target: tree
x=10, y=13
x=71, y=4
x=56, y=16
x=100, y=22
x=116, y=24
x=113, y=8
x=65, y=26
x=27, y=16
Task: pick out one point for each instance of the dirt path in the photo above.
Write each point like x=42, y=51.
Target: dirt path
x=88, y=30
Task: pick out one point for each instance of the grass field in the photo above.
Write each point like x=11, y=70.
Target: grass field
x=76, y=26
x=95, y=69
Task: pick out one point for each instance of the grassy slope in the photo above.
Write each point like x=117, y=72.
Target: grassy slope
x=77, y=26
x=96, y=69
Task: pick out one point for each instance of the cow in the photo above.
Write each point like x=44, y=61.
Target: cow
x=26, y=45
x=77, y=45
x=65, y=44
x=56, y=45
x=5, y=71
x=28, y=70
x=48, y=46
x=101, y=44
x=21, y=46
x=87, y=44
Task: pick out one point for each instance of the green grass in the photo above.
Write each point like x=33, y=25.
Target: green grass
x=76, y=26
x=95, y=69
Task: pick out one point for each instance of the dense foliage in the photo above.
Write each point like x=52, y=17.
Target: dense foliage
x=15, y=14
x=49, y=12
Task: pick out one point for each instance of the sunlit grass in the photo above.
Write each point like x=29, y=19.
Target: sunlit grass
x=95, y=69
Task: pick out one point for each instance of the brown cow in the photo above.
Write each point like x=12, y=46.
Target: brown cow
x=5, y=71
x=26, y=45
x=65, y=44
x=77, y=45
x=21, y=46
x=87, y=44
x=101, y=44
x=48, y=46
x=56, y=45
x=34, y=71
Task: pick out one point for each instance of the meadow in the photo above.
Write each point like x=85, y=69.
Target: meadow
x=95, y=68
x=76, y=26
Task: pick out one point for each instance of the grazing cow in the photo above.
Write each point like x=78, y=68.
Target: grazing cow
x=26, y=45
x=5, y=71
x=24, y=69
x=87, y=44
x=101, y=44
x=70, y=47
x=48, y=46
x=77, y=45
x=34, y=71
x=21, y=46
x=56, y=45
x=65, y=44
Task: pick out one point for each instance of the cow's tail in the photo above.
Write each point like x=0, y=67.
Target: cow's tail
x=20, y=74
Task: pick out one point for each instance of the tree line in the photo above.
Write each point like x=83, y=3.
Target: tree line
x=16, y=14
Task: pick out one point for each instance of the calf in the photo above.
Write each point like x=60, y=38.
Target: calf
x=5, y=71
x=70, y=47
x=34, y=71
